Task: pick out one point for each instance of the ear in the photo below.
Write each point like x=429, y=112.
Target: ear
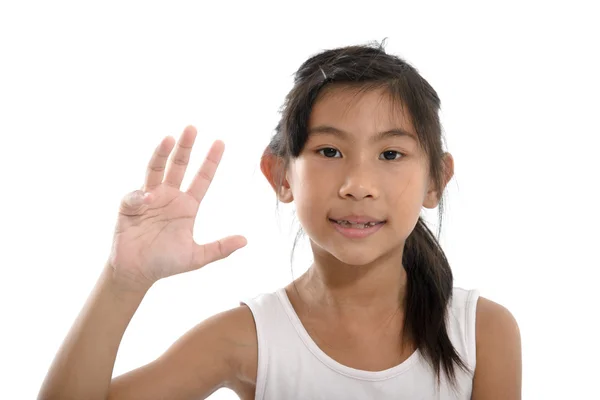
x=432, y=198
x=273, y=168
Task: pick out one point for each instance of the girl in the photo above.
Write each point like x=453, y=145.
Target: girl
x=376, y=316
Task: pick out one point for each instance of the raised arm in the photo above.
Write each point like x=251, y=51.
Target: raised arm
x=152, y=240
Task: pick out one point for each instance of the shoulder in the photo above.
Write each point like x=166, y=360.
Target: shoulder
x=494, y=325
x=232, y=340
x=238, y=329
x=498, y=352
x=217, y=352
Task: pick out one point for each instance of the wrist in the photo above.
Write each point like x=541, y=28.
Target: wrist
x=124, y=284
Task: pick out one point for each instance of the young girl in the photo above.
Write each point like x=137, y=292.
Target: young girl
x=376, y=316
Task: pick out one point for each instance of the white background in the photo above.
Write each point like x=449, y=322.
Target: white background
x=88, y=89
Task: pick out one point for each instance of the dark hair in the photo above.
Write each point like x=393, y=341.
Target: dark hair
x=429, y=277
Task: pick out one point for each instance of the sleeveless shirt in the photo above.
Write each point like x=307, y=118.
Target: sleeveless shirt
x=291, y=365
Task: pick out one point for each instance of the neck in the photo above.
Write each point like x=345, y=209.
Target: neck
x=375, y=288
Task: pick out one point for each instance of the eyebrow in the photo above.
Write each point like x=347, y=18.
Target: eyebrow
x=330, y=130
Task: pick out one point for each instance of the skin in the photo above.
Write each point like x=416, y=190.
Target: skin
x=349, y=174
x=356, y=285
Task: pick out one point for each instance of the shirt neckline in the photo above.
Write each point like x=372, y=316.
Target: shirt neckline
x=333, y=364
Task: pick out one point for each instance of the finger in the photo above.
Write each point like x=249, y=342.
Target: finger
x=180, y=159
x=156, y=166
x=217, y=250
x=207, y=170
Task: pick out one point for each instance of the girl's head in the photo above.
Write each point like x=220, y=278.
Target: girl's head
x=360, y=137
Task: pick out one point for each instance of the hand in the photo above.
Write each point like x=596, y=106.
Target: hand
x=154, y=232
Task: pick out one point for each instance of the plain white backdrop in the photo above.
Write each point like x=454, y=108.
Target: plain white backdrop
x=88, y=89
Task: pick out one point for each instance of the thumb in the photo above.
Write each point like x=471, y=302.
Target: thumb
x=217, y=250
x=134, y=203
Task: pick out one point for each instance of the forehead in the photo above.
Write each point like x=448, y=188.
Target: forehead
x=357, y=111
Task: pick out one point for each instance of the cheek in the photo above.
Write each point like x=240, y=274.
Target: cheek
x=310, y=180
x=312, y=200
x=406, y=196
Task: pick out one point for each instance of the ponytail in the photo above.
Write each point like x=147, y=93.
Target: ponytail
x=428, y=292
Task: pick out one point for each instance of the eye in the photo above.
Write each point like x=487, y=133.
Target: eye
x=329, y=152
x=391, y=155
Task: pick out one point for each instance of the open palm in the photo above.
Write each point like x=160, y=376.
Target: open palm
x=154, y=233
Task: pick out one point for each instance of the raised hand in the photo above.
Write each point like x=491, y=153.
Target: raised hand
x=153, y=237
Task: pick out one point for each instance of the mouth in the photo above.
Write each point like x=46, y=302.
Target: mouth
x=356, y=224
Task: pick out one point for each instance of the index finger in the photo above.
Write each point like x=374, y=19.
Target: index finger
x=206, y=173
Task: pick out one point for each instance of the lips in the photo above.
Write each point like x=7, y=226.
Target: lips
x=355, y=225
x=351, y=228
x=357, y=219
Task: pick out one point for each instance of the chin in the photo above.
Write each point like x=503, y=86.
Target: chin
x=357, y=260
x=356, y=256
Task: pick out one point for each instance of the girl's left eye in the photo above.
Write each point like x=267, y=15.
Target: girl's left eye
x=329, y=152
x=391, y=155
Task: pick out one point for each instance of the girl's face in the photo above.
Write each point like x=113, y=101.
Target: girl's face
x=361, y=163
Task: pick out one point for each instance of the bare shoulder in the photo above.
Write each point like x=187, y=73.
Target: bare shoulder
x=218, y=352
x=237, y=330
x=243, y=351
x=498, y=346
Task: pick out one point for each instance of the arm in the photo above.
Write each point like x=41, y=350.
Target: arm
x=83, y=366
x=152, y=240
x=219, y=352
x=498, y=369
x=216, y=353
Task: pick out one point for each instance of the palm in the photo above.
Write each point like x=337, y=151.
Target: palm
x=159, y=242
x=154, y=239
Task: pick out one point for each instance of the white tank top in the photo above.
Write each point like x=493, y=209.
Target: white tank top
x=291, y=365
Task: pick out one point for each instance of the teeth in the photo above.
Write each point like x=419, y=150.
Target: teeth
x=348, y=224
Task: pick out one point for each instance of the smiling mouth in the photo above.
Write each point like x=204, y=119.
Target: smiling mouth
x=348, y=224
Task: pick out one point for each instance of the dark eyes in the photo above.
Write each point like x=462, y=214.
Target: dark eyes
x=389, y=155
x=329, y=152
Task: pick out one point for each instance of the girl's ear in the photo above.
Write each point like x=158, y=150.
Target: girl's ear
x=432, y=197
x=273, y=168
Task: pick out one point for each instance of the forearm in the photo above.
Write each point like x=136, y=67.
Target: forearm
x=83, y=366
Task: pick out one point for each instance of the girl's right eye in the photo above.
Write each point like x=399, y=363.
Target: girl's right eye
x=329, y=152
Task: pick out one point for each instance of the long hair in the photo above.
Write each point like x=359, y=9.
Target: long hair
x=429, y=277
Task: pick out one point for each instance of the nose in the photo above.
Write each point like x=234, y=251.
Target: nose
x=359, y=183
